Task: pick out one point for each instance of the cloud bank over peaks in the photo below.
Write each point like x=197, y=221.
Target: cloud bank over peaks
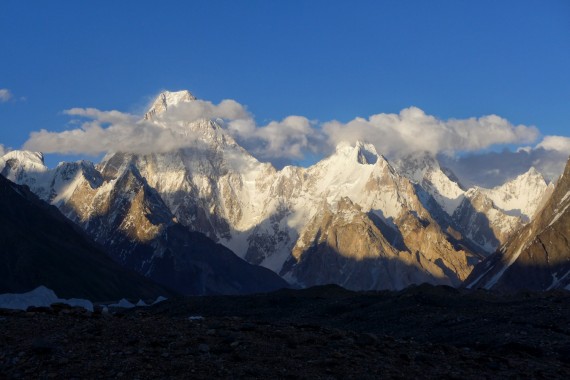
x=558, y=143
x=113, y=131
x=412, y=130
x=459, y=142
x=288, y=139
x=195, y=110
x=492, y=169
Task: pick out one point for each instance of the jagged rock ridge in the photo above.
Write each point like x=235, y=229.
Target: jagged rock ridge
x=538, y=256
x=408, y=214
x=39, y=246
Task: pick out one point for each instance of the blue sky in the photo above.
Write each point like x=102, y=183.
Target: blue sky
x=324, y=60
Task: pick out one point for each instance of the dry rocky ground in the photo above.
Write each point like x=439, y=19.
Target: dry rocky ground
x=318, y=333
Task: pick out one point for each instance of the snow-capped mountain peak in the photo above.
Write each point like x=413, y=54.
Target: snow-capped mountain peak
x=522, y=195
x=360, y=152
x=415, y=166
x=167, y=99
x=423, y=168
x=413, y=208
x=24, y=167
x=30, y=159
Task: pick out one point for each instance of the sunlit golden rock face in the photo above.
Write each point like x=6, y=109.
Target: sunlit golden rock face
x=537, y=257
x=351, y=246
x=377, y=224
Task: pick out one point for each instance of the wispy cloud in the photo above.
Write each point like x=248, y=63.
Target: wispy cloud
x=5, y=95
x=295, y=137
x=556, y=143
x=113, y=131
x=110, y=131
x=491, y=169
x=413, y=130
x=290, y=138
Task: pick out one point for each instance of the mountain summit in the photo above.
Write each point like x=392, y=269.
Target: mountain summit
x=306, y=224
x=538, y=256
x=167, y=99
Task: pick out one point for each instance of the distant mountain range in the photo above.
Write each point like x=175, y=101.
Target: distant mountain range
x=353, y=219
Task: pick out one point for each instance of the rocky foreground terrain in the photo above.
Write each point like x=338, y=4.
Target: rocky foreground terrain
x=318, y=333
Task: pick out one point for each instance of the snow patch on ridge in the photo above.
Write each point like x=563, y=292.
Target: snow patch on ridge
x=521, y=196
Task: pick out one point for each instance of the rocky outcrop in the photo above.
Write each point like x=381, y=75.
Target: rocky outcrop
x=482, y=222
x=426, y=222
x=486, y=217
x=137, y=229
x=39, y=246
x=538, y=256
x=345, y=246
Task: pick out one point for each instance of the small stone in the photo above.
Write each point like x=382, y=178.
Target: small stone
x=247, y=327
x=234, y=344
x=204, y=348
x=366, y=339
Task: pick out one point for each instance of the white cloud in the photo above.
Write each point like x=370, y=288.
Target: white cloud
x=5, y=95
x=3, y=150
x=116, y=131
x=111, y=117
x=296, y=137
x=557, y=143
x=290, y=138
x=112, y=131
x=413, y=130
x=200, y=109
x=92, y=138
x=491, y=169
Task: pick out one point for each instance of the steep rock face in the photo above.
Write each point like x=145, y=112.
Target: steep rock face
x=39, y=246
x=215, y=187
x=168, y=99
x=419, y=249
x=118, y=208
x=137, y=228
x=522, y=195
x=538, y=256
x=491, y=216
x=440, y=183
x=487, y=217
x=26, y=168
x=483, y=223
x=345, y=246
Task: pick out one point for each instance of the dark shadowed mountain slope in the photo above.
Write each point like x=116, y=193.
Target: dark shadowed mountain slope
x=39, y=246
x=538, y=256
x=137, y=229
